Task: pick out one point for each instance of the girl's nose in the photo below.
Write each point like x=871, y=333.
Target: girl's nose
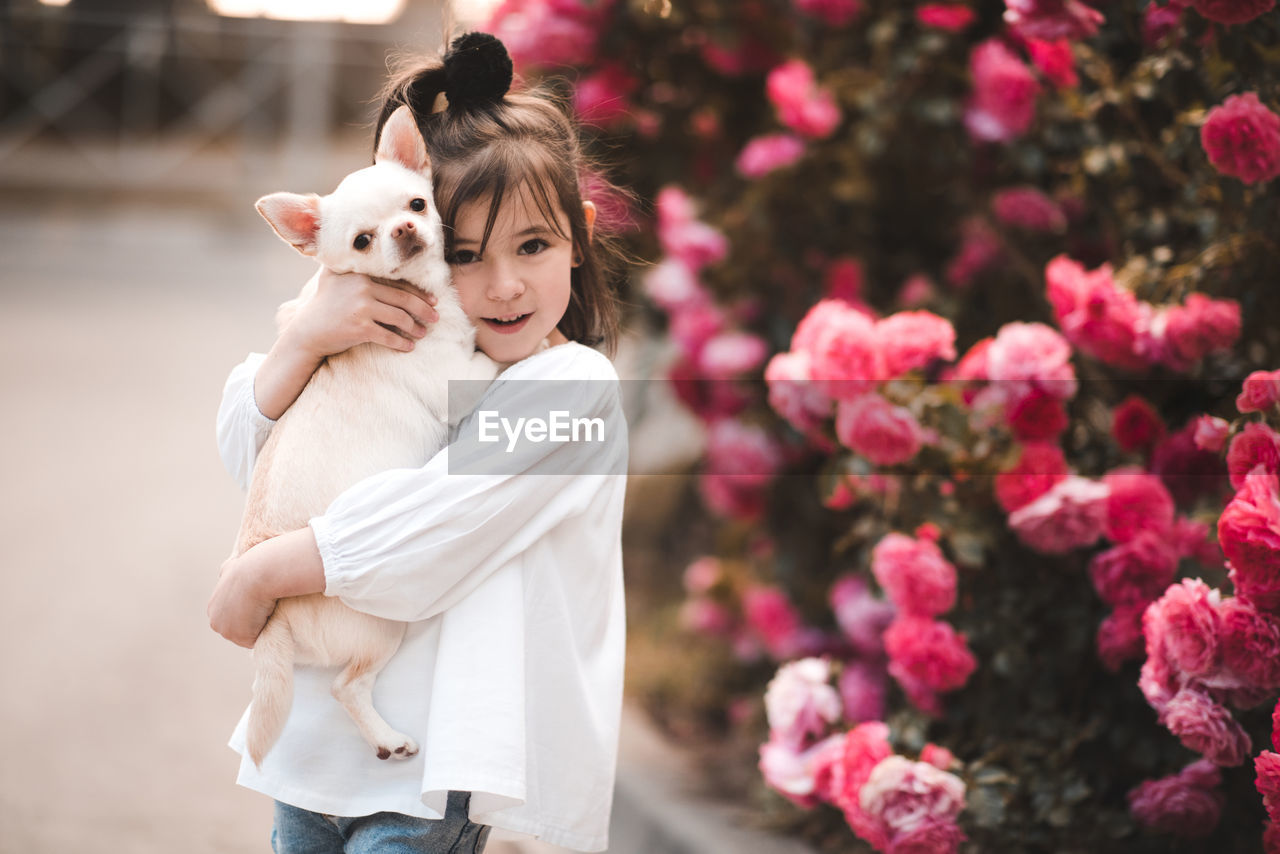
x=505, y=285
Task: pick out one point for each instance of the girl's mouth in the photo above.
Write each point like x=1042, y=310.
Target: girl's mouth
x=508, y=325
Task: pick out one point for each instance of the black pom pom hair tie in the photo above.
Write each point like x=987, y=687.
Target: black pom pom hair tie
x=477, y=72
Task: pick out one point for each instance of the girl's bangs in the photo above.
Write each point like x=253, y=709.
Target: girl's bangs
x=500, y=171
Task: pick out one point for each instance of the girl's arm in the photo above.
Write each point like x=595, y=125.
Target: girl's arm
x=408, y=543
x=337, y=312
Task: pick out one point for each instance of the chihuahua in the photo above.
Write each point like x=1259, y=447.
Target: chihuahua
x=365, y=410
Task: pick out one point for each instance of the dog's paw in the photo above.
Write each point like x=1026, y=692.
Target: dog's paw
x=406, y=749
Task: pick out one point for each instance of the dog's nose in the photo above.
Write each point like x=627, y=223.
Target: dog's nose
x=404, y=229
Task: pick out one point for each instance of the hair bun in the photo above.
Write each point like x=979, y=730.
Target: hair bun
x=477, y=70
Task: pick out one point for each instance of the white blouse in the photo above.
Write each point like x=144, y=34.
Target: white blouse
x=505, y=558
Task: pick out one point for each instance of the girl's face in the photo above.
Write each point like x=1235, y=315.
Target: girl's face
x=517, y=291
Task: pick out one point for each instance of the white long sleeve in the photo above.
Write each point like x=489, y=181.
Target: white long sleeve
x=242, y=428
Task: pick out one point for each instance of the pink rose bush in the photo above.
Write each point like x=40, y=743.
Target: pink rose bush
x=765, y=154
x=545, y=33
x=1052, y=19
x=952, y=17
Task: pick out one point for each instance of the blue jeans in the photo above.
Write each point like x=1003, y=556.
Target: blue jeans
x=299, y=831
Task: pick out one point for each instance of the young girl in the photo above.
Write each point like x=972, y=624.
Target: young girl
x=505, y=560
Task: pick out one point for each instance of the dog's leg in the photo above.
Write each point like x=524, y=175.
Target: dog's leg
x=354, y=690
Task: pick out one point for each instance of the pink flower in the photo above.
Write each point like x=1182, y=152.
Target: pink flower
x=1056, y=62
x=1032, y=353
x=980, y=250
x=861, y=616
x=1186, y=470
x=1196, y=329
x=914, y=574
x=742, y=450
x=840, y=343
x=1255, y=445
x=1120, y=636
x=764, y=154
x=800, y=703
x=1206, y=727
x=952, y=17
x=1040, y=466
x=910, y=340
x=801, y=105
x=865, y=746
x=800, y=775
x=1138, y=502
x=1261, y=392
x=937, y=756
x=705, y=617
x=1250, y=643
x=1183, y=626
x=1233, y=11
x=603, y=97
x=928, y=652
x=772, y=619
x=732, y=497
x=877, y=430
x=793, y=394
x=1095, y=314
x=701, y=575
x=673, y=287
x=1069, y=516
x=1241, y=136
x=1267, y=768
x=542, y=33
x=1135, y=424
x=1003, y=104
x=862, y=690
x=1184, y=804
x=834, y=12
x=932, y=836
x=1135, y=572
x=1249, y=533
x=1159, y=22
x=1036, y=416
x=843, y=280
x=685, y=237
x=1211, y=433
x=1275, y=727
x=732, y=354
x=1052, y=19
x=905, y=795
x=1027, y=207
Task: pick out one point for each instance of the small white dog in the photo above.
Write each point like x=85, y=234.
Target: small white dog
x=364, y=411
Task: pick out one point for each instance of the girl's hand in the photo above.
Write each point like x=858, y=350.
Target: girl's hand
x=341, y=311
x=249, y=585
x=348, y=309
x=238, y=609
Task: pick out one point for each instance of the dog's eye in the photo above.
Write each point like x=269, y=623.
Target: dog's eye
x=362, y=241
x=418, y=205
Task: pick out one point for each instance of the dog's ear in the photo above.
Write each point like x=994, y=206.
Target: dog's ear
x=401, y=142
x=295, y=218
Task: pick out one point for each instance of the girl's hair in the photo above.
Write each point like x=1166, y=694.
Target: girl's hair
x=490, y=147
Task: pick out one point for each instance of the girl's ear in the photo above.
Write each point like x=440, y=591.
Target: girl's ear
x=589, y=211
x=401, y=142
x=589, y=214
x=295, y=218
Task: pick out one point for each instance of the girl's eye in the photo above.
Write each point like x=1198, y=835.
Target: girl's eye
x=418, y=205
x=464, y=256
x=533, y=247
x=362, y=241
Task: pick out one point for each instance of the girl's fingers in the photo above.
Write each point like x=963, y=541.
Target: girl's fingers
x=390, y=338
x=421, y=308
x=398, y=320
